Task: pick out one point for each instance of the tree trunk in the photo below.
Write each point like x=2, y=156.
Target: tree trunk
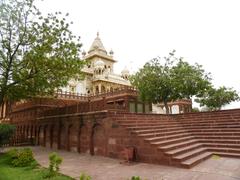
x=166, y=107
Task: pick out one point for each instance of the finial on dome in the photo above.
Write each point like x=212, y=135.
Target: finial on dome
x=98, y=34
x=111, y=52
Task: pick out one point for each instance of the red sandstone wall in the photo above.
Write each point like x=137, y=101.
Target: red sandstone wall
x=93, y=133
x=99, y=133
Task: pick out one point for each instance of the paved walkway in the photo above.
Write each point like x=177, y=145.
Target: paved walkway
x=102, y=168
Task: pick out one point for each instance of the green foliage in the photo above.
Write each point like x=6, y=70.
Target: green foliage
x=8, y=172
x=195, y=109
x=170, y=79
x=83, y=176
x=22, y=158
x=215, y=99
x=6, y=131
x=54, y=161
x=13, y=153
x=34, y=164
x=135, y=178
x=37, y=54
x=189, y=80
x=47, y=174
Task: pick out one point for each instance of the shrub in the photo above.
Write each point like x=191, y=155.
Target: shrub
x=135, y=178
x=54, y=161
x=46, y=174
x=13, y=153
x=22, y=158
x=84, y=177
x=6, y=131
x=34, y=164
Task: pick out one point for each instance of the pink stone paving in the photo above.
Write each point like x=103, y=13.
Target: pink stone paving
x=102, y=168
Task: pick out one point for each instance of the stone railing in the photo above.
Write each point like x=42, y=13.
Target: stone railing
x=38, y=101
x=78, y=96
x=70, y=95
x=95, y=103
x=70, y=103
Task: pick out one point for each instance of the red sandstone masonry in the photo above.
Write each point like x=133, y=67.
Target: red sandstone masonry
x=182, y=140
x=196, y=124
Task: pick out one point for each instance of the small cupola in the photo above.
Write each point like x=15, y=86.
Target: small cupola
x=125, y=73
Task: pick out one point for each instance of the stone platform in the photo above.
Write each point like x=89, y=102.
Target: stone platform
x=103, y=168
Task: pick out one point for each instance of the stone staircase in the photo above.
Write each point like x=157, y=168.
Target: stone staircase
x=188, y=139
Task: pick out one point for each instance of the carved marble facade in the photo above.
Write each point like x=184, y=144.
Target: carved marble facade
x=99, y=76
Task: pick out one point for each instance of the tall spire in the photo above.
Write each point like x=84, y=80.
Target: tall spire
x=97, y=45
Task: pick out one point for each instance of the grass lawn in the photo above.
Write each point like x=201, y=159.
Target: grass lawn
x=8, y=172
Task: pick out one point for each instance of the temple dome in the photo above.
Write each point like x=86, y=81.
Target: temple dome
x=97, y=45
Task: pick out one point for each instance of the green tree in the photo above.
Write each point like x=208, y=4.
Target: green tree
x=6, y=132
x=37, y=54
x=189, y=80
x=215, y=99
x=169, y=79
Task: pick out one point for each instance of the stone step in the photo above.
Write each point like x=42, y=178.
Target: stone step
x=227, y=154
x=221, y=145
x=214, y=133
x=189, y=163
x=156, y=133
x=187, y=128
x=189, y=154
x=146, y=121
x=161, y=136
x=141, y=119
x=219, y=141
x=228, y=118
x=188, y=141
x=177, y=123
x=214, y=137
x=220, y=130
x=174, y=121
x=183, y=149
x=171, y=141
x=151, y=131
x=158, y=128
x=209, y=116
x=177, y=145
x=210, y=124
x=208, y=120
x=216, y=118
x=213, y=130
x=212, y=127
x=150, y=124
x=166, y=137
x=224, y=149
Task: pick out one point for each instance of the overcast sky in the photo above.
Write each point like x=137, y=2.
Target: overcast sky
x=203, y=31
